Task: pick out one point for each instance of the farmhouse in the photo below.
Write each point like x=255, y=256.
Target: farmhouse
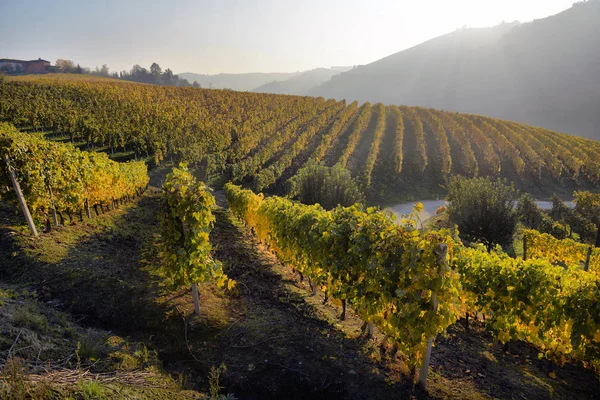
x=30, y=67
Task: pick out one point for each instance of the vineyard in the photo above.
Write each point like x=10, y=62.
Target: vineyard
x=58, y=178
x=565, y=252
x=409, y=285
x=414, y=284
x=262, y=140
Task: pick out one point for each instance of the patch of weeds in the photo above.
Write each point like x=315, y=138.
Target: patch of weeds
x=127, y=357
x=144, y=356
x=115, y=341
x=45, y=391
x=91, y=390
x=214, y=385
x=8, y=294
x=13, y=386
x=123, y=361
x=62, y=319
x=29, y=317
x=87, y=350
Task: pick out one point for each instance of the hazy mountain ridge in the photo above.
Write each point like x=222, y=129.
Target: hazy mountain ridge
x=546, y=72
x=240, y=82
x=303, y=83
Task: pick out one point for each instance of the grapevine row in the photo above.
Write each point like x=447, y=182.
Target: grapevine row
x=399, y=138
x=333, y=133
x=360, y=125
x=186, y=220
x=419, y=159
x=374, y=150
x=564, y=252
x=488, y=158
x=534, y=301
x=406, y=276
x=269, y=175
x=60, y=177
x=506, y=148
x=467, y=160
x=387, y=273
x=442, y=158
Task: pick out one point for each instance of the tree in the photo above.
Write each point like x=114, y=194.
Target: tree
x=483, y=210
x=196, y=85
x=104, y=71
x=156, y=72
x=66, y=66
x=588, y=206
x=167, y=77
x=529, y=214
x=327, y=186
x=585, y=218
x=560, y=212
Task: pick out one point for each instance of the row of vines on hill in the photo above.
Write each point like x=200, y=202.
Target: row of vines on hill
x=407, y=291
x=564, y=252
x=389, y=274
x=270, y=174
x=58, y=177
x=186, y=220
x=534, y=301
x=258, y=139
x=367, y=169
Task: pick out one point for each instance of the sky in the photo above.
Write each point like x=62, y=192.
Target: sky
x=236, y=36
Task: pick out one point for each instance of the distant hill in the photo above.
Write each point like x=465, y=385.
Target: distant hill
x=544, y=73
x=240, y=82
x=303, y=83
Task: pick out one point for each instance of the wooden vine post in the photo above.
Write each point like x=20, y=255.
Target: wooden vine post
x=524, y=247
x=589, y=253
x=54, y=214
x=442, y=251
x=20, y=196
x=196, y=298
x=87, y=209
x=586, y=266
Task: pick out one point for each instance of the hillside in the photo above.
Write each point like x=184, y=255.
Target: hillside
x=275, y=338
x=292, y=300
x=543, y=73
x=262, y=140
x=241, y=82
x=301, y=84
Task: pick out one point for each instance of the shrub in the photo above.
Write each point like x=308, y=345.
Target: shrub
x=483, y=210
x=579, y=220
x=327, y=186
x=13, y=384
x=29, y=317
x=529, y=213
